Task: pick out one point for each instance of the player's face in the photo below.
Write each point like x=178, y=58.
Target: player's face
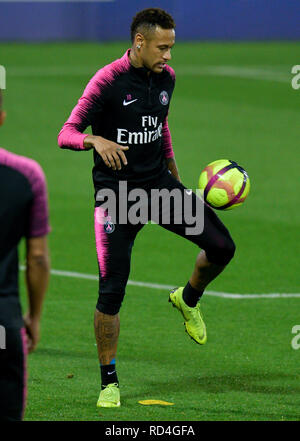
x=156, y=51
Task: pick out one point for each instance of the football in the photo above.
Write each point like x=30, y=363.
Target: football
x=224, y=184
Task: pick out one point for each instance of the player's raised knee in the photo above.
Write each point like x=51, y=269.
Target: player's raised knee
x=222, y=253
x=229, y=251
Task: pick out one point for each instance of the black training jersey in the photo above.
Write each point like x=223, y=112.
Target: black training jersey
x=23, y=213
x=129, y=106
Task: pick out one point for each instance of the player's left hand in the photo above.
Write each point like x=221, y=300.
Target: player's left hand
x=32, y=326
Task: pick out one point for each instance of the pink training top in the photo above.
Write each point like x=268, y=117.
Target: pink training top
x=38, y=222
x=71, y=135
x=167, y=140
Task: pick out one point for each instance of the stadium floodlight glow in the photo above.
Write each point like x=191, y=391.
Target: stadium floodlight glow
x=2, y=77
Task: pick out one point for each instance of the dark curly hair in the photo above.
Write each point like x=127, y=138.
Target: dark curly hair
x=147, y=19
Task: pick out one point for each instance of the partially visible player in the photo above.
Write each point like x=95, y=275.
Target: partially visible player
x=23, y=213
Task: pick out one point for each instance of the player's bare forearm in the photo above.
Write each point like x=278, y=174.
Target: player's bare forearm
x=89, y=141
x=37, y=278
x=37, y=274
x=171, y=164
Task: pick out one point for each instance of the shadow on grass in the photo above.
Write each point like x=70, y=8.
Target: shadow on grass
x=65, y=353
x=256, y=384
x=251, y=383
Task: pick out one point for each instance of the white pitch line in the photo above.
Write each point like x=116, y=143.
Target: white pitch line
x=224, y=295
x=248, y=72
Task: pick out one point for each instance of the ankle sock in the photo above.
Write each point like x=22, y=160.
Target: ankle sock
x=190, y=295
x=108, y=374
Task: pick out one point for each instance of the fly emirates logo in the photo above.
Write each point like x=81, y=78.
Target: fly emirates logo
x=151, y=131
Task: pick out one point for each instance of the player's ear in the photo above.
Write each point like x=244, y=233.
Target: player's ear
x=2, y=117
x=138, y=41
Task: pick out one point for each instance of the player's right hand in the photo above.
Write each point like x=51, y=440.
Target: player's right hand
x=112, y=153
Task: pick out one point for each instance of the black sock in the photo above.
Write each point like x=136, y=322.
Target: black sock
x=191, y=296
x=108, y=374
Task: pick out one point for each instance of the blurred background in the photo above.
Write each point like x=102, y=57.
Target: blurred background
x=108, y=20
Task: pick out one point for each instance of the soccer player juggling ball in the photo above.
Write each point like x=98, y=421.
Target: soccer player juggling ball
x=127, y=104
x=23, y=213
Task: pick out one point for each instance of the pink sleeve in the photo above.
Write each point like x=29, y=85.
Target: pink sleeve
x=83, y=115
x=167, y=140
x=70, y=137
x=39, y=216
x=38, y=220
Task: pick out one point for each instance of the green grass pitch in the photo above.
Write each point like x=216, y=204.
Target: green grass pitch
x=231, y=101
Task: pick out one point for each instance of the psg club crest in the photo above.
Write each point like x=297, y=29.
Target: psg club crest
x=164, y=98
x=109, y=227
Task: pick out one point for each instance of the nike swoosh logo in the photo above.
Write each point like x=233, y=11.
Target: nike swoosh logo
x=125, y=103
x=109, y=373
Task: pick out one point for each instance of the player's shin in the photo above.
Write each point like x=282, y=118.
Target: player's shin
x=204, y=272
x=107, y=329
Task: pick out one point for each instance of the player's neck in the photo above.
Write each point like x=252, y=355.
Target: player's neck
x=135, y=59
